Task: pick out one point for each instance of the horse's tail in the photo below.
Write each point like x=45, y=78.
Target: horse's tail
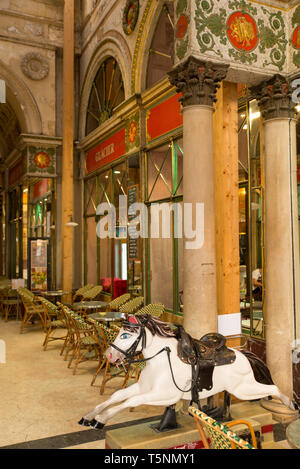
x=260, y=370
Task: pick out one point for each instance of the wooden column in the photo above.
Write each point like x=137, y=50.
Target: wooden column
x=225, y=123
x=68, y=138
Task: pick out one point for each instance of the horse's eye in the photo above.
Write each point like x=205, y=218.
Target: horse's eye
x=125, y=336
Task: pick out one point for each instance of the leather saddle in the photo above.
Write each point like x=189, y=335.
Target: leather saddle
x=203, y=355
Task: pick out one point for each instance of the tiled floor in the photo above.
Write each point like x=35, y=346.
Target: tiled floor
x=41, y=400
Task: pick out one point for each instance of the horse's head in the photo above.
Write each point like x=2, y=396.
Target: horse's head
x=130, y=341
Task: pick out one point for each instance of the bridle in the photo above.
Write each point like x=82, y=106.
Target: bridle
x=132, y=352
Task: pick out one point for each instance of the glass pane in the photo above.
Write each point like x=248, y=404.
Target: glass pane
x=91, y=251
x=90, y=197
x=105, y=264
x=178, y=180
x=160, y=173
x=104, y=183
x=25, y=232
x=161, y=52
x=243, y=144
x=161, y=268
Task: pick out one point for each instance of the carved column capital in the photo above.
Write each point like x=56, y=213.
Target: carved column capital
x=198, y=81
x=274, y=98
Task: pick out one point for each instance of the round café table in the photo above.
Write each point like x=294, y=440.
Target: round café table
x=293, y=434
x=89, y=306
x=54, y=295
x=108, y=316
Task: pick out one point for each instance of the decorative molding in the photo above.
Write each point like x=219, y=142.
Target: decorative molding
x=35, y=66
x=274, y=98
x=197, y=81
x=130, y=16
x=181, y=29
x=238, y=23
x=132, y=132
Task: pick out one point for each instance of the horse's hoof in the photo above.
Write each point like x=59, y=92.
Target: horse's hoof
x=84, y=422
x=97, y=425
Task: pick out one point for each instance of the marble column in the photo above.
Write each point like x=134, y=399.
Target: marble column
x=281, y=262
x=197, y=81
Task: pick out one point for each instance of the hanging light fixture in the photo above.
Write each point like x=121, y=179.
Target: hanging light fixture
x=71, y=222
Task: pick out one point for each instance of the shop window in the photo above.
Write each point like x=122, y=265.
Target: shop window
x=106, y=94
x=161, y=52
x=165, y=251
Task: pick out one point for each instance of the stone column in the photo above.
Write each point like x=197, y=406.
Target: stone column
x=197, y=81
x=281, y=263
x=68, y=137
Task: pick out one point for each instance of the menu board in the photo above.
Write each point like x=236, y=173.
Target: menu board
x=39, y=264
x=133, y=241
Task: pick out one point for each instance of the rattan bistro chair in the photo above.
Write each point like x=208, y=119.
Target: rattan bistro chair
x=92, y=293
x=54, y=321
x=80, y=292
x=86, y=345
x=115, y=304
x=132, y=306
x=33, y=309
x=215, y=435
x=10, y=303
x=154, y=309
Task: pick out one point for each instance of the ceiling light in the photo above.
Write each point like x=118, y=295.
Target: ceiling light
x=298, y=108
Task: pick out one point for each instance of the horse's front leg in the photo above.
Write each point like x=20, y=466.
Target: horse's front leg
x=149, y=398
x=116, y=397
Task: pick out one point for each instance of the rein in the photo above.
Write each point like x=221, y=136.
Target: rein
x=131, y=352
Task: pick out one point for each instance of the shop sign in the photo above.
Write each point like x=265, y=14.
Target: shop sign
x=40, y=188
x=164, y=118
x=16, y=172
x=106, y=152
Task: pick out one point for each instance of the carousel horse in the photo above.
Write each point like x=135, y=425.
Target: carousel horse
x=180, y=367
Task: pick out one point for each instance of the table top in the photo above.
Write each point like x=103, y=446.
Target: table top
x=89, y=305
x=293, y=433
x=108, y=316
x=55, y=293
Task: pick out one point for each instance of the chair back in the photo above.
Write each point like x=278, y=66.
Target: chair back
x=50, y=309
x=108, y=335
x=154, y=309
x=220, y=436
x=115, y=304
x=131, y=306
x=82, y=290
x=92, y=293
x=27, y=296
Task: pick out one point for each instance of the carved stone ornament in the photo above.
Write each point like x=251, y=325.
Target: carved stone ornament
x=274, y=98
x=198, y=81
x=130, y=16
x=35, y=66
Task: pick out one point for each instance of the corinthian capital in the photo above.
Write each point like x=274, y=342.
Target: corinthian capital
x=274, y=98
x=198, y=81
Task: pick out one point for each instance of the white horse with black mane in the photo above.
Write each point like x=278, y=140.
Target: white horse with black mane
x=180, y=367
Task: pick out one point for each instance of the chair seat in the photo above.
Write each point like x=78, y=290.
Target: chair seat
x=35, y=309
x=88, y=340
x=13, y=301
x=57, y=323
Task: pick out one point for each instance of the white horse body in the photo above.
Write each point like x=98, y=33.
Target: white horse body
x=156, y=385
